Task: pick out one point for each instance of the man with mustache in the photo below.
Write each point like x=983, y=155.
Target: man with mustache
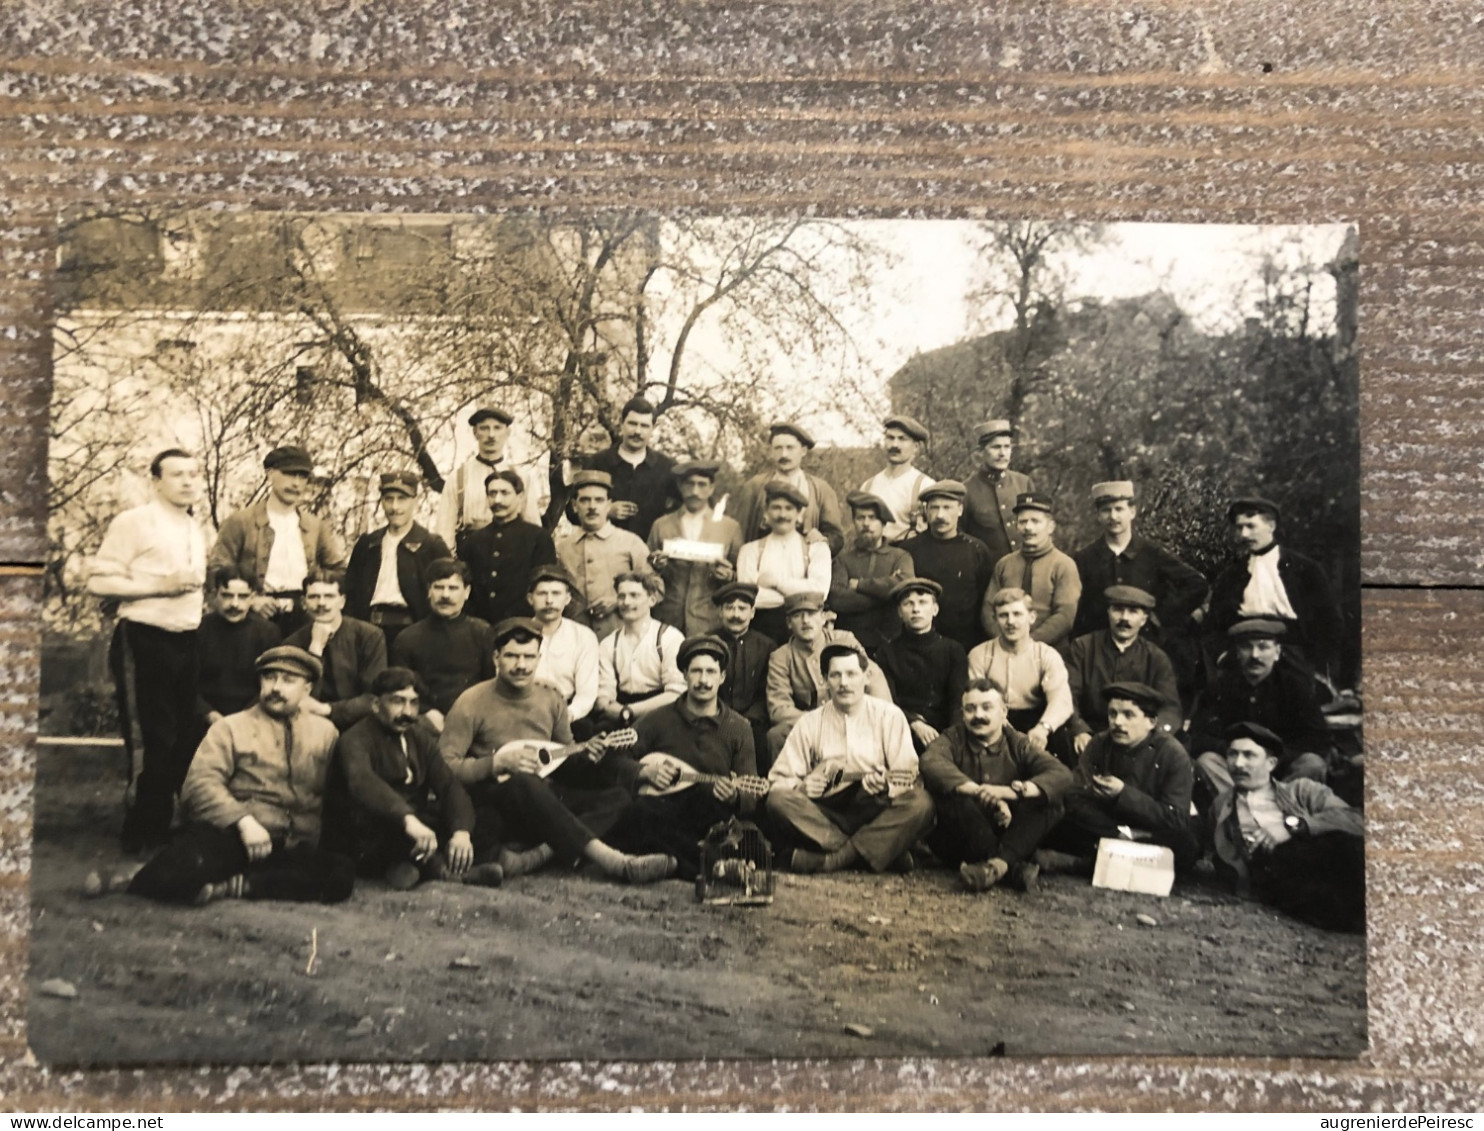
x=786, y=562
x=228, y=644
x=690, y=581
x=1274, y=583
x=275, y=541
x=864, y=575
x=394, y=806
x=1119, y=654
x=996, y=795
x=463, y=507
x=643, y=487
x=1130, y=777
x=502, y=553
x=569, y=651
x=597, y=552
x=991, y=492
x=253, y=798
x=1041, y=570
x=1294, y=845
x=450, y=650
x=385, y=582
x=352, y=652
x=745, y=676
x=1256, y=682
x=961, y=564
x=900, y=483
x=1031, y=675
x=820, y=510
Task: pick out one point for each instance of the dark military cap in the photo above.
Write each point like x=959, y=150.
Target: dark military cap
x=1257, y=629
x=1147, y=698
x=513, y=626
x=734, y=589
x=479, y=415
x=703, y=646
x=944, y=489
x=1034, y=501
x=683, y=471
x=778, y=490
x=1130, y=595
x=400, y=482
x=793, y=430
x=592, y=479
x=863, y=500
x=913, y=585
x=796, y=602
x=289, y=458
x=295, y=661
x=1253, y=504
x=914, y=428
x=1258, y=734
x=550, y=572
x=840, y=648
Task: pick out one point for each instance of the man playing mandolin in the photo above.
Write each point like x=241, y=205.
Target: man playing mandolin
x=698, y=764
x=844, y=788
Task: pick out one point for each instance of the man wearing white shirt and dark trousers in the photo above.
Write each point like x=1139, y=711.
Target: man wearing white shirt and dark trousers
x=153, y=562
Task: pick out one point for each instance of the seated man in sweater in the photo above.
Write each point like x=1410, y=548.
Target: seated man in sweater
x=925, y=670
x=228, y=645
x=252, y=798
x=996, y=795
x=845, y=786
x=353, y=652
x=494, y=739
x=1131, y=782
x=1031, y=674
x=450, y=650
x=1118, y=654
x=394, y=806
x=1292, y=844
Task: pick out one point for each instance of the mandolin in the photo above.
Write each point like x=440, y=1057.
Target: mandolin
x=552, y=754
x=747, y=784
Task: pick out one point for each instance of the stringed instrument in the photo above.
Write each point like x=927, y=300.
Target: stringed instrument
x=552, y=754
x=838, y=779
x=748, y=785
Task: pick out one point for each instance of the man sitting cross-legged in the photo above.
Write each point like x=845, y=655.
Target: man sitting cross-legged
x=997, y=796
x=1131, y=782
x=493, y=740
x=380, y=808
x=844, y=788
x=710, y=767
x=253, y=796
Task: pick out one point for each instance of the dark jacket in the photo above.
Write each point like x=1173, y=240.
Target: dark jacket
x=415, y=553
x=1318, y=629
x=450, y=655
x=246, y=541
x=1157, y=781
x=745, y=687
x=501, y=557
x=962, y=565
x=1177, y=588
x=650, y=485
x=382, y=786
x=864, y=610
x=226, y=657
x=1285, y=702
x=951, y=760
x=1094, y=661
x=353, y=657
x=1314, y=803
x=926, y=674
x=989, y=512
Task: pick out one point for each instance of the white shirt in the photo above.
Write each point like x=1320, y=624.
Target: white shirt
x=152, y=542
x=644, y=664
x=875, y=736
x=1265, y=594
x=899, y=490
x=287, y=564
x=466, y=486
x=1258, y=809
x=798, y=565
x=388, y=589
x=569, y=664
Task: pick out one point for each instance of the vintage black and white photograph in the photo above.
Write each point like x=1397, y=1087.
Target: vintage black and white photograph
x=540, y=635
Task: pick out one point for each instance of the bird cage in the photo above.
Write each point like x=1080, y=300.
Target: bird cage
x=736, y=865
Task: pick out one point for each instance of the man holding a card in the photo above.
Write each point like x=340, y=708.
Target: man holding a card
x=694, y=551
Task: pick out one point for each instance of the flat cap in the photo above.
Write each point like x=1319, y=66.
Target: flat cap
x=797, y=602
x=1253, y=504
x=683, y=471
x=295, y=661
x=1140, y=693
x=1112, y=491
x=913, y=427
x=777, y=489
x=914, y=585
x=841, y=648
x=944, y=489
x=703, y=646
x=289, y=458
x=400, y=482
x=1258, y=733
x=992, y=428
x=1034, y=501
x=791, y=429
x=592, y=479
x=513, y=626
x=1130, y=595
x=479, y=415
x=864, y=500
x=550, y=572
x=732, y=590
x=1257, y=628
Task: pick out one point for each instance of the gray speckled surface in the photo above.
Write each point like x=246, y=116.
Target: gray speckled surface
x=1370, y=112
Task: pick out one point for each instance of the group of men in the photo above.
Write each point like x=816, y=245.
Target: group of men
x=606, y=679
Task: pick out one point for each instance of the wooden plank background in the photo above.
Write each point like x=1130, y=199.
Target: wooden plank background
x=1368, y=111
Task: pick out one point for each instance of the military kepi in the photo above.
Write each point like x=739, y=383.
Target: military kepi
x=400, y=483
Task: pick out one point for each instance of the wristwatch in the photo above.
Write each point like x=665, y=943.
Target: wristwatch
x=1296, y=826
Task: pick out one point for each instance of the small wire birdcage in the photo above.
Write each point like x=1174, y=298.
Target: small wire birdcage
x=736, y=865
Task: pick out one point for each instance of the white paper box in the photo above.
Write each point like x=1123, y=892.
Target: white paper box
x=686, y=550
x=1124, y=865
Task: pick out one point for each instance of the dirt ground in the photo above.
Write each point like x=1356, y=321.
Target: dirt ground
x=566, y=966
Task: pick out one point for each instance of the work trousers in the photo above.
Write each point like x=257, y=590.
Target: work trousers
x=966, y=832
x=524, y=810
x=881, y=828
x=1318, y=880
x=673, y=825
x=204, y=854
x=1089, y=820
x=154, y=676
